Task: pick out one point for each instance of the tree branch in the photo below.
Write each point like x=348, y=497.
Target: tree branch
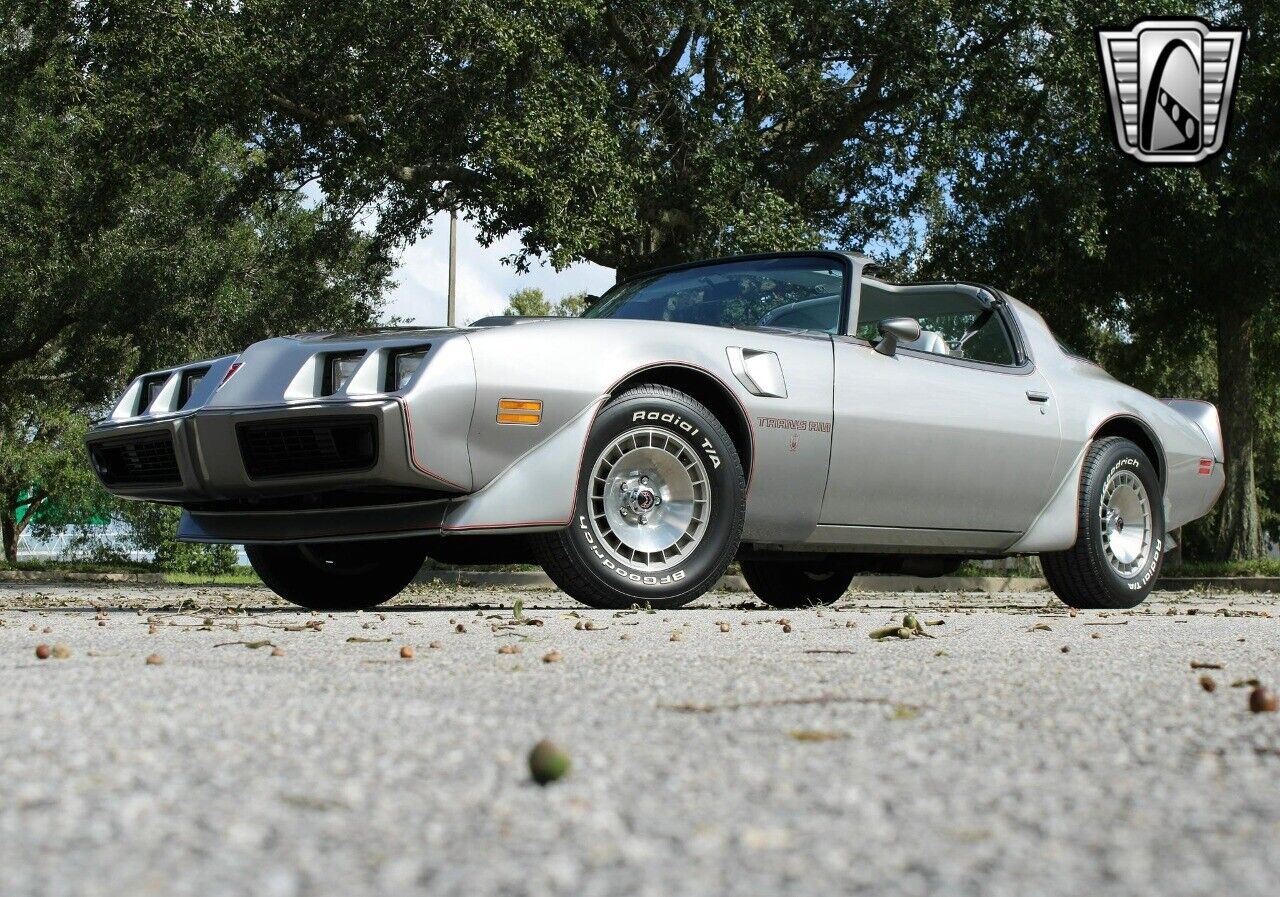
x=623, y=40
x=297, y=110
x=668, y=61
x=37, y=340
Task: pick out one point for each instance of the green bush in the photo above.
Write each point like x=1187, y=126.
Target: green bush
x=154, y=528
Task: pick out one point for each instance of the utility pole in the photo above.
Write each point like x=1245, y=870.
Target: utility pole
x=452, y=320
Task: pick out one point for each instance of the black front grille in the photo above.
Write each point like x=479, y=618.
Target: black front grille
x=307, y=447
x=137, y=461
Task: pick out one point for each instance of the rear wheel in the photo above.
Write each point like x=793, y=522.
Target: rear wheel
x=339, y=575
x=660, y=503
x=787, y=584
x=1119, y=532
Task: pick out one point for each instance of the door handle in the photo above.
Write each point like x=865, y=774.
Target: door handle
x=1037, y=396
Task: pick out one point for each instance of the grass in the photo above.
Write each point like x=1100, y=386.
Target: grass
x=241, y=576
x=79, y=566
x=1261, y=567
x=244, y=576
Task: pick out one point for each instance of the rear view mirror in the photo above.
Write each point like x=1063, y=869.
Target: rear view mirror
x=894, y=331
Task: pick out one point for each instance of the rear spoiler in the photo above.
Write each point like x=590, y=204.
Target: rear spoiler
x=1205, y=416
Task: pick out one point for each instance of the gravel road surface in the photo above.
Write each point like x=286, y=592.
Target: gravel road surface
x=1020, y=752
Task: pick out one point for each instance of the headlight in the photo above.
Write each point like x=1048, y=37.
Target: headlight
x=404, y=364
x=151, y=388
x=190, y=380
x=339, y=371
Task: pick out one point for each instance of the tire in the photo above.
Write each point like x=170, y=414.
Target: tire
x=1107, y=569
x=339, y=575
x=671, y=554
x=788, y=584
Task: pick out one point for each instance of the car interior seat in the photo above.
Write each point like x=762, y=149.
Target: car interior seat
x=929, y=341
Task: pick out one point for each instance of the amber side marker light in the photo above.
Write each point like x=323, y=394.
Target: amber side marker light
x=519, y=411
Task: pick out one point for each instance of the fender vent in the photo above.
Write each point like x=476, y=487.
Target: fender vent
x=316, y=446
x=137, y=461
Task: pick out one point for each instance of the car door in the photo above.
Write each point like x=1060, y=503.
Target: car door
x=928, y=441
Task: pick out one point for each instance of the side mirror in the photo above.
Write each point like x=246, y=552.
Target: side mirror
x=894, y=331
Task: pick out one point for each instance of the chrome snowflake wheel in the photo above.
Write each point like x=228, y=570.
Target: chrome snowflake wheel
x=1127, y=530
x=650, y=499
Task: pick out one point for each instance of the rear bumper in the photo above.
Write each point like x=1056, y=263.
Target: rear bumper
x=255, y=454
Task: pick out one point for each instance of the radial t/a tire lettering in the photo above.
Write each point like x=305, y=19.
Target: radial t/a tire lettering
x=659, y=506
x=1120, y=533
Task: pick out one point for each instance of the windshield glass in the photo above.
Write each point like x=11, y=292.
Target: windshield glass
x=798, y=292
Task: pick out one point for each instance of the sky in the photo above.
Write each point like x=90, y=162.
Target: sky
x=483, y=281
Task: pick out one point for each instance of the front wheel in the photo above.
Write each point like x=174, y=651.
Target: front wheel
x=1119, y=531
x=788, y=584
x=660, y=502
x=339, y=575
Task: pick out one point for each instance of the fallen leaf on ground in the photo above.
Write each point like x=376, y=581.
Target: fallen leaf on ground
x=691, y=707
x=816, y=735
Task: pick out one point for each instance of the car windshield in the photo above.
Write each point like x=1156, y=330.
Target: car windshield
x=800, y=292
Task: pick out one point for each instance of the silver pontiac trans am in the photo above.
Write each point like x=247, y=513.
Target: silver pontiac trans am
x=787, y=410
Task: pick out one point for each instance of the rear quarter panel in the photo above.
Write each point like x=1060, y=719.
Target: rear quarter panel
x=1087, y=397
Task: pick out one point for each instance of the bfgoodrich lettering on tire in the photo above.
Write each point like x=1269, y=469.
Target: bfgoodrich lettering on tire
x=659, y=505
x=1120, y=531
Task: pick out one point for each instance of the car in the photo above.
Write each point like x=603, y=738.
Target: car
x=789, y=411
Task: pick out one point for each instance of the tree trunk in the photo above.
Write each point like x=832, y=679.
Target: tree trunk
x=1239, y=526
x=9, y=526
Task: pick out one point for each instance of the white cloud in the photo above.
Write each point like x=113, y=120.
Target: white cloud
x=484, y=283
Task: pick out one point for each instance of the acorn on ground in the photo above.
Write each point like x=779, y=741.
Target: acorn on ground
x=1263, y=700
x=547, y=762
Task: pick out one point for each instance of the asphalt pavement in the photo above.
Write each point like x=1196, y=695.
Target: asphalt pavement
x=722, y=749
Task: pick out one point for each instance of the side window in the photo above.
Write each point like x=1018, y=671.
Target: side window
x=951, y=324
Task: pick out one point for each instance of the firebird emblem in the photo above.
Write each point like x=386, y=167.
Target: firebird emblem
x=1170, y=83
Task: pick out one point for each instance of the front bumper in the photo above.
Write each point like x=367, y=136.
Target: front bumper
x=261, y=454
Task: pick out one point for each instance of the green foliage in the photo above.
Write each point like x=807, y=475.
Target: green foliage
x=1169, y=276
x=152, y=528
x=632, y=136
x=131, y=239
x=530, y=302
x=527, y=303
